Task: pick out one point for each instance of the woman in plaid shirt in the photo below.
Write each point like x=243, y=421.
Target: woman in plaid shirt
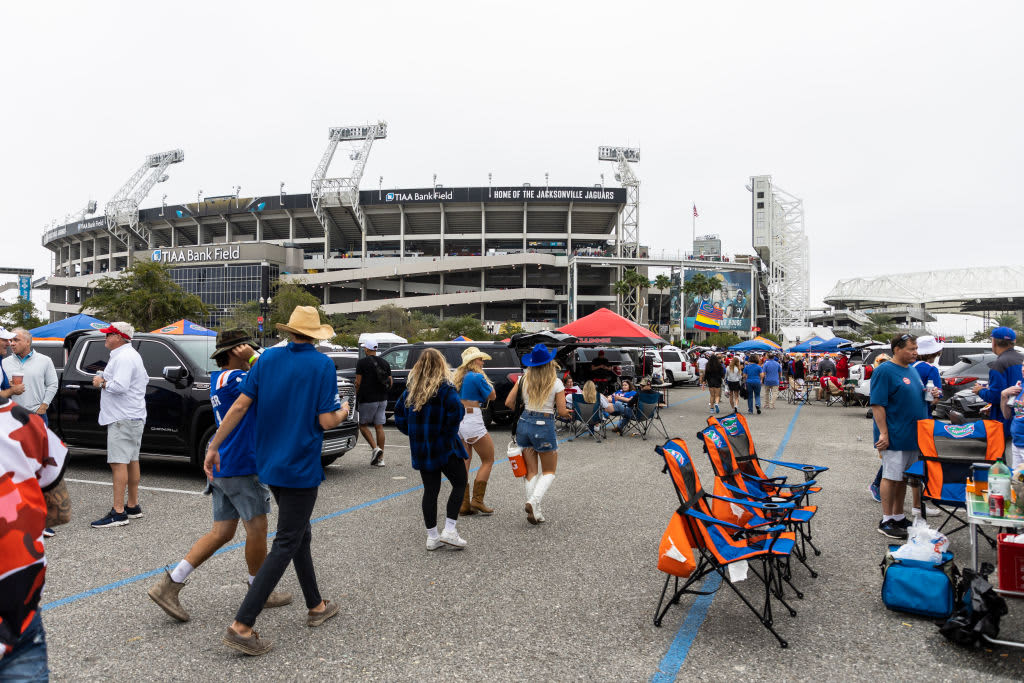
x=429, y=413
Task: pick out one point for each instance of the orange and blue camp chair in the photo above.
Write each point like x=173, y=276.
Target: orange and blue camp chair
x=737, y=432
x=731, y=480
x=694, y=529
x=944, y=478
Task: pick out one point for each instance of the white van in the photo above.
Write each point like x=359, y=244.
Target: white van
x=673, y=363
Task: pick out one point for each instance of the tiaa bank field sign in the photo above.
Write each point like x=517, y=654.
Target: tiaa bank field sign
x=196, y=254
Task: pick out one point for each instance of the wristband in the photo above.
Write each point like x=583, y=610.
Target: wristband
x=252, y=358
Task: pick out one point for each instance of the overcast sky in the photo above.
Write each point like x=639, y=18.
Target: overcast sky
x=898, y=123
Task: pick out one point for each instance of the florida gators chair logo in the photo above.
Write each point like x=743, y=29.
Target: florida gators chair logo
x=731, y=425
x=959, y=431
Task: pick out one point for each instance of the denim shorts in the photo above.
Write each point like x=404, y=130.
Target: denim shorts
x=242, y=497
x=537, y=431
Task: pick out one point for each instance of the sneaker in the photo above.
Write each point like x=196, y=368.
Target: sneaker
x=716, y=408
x=904, y=523
x=112, y=519
x=876, y=495
x=434, y=543
x=48, y=532
x=133, y=512
x=317, y=618
x=932, y=512
x=759, y=410
x=251, y=646
x=892, y=530
x=453, y=539
x=378, y=457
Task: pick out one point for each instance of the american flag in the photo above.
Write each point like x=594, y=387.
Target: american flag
x=695, y=214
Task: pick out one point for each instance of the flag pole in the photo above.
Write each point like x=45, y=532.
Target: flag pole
x=694, y=240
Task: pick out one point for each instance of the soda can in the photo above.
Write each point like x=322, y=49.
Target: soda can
x=995, y=505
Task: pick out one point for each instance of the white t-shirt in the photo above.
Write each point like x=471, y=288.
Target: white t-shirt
x=549, y=402
x=702, y=363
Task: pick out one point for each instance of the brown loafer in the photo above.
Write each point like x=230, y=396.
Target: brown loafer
x=278, y=599
x=317, y=618
x=252, y=645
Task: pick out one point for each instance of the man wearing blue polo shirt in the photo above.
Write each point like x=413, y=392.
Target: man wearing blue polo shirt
x=1004, y=371
x=295, y=393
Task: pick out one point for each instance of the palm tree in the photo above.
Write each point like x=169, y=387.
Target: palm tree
x=1007, y=320
x=879, y=325
x=662, y=282
x=631, y=281
x=702, y=285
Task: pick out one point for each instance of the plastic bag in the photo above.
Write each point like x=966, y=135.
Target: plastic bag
x=924, y=544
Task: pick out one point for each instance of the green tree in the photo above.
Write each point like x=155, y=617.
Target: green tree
x=1007, y=320
x=662, y=282
x=243, y=317
x=880, y=326
x=510, y=327
x=145, y=296
x=702, y=285
x=981, y=336
x=774, y=337
x=956, y=339
x=20, y=314
x=722, y=339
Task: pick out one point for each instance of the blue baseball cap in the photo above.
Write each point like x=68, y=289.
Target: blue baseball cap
x=1004, y=333
x=538, y=356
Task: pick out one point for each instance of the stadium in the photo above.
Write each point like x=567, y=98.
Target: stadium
x=539, y=255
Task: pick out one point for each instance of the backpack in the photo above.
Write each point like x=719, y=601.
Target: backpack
x=980, y=609
x=382, y=371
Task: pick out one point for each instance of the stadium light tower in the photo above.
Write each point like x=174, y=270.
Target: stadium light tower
x=343, y=191
x=629, y=241
x=781, y=244
x=123, y=208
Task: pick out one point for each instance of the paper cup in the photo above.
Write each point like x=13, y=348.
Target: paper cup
x=17, y=378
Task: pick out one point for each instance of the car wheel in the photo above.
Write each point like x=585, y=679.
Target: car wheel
x=670, y=378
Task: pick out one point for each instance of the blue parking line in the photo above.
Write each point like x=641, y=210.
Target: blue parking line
x=673, y=660
x=235, y=546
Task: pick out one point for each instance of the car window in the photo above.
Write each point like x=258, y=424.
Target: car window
x=156, y=356
x=397, y=359
x=344, y=362
x=54, y=353
x=670, y=357
x=502, y=358
x=94, y=357
x=198, y=350
x=870, y=360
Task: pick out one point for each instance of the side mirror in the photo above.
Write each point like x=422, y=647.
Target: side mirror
x=175, y=374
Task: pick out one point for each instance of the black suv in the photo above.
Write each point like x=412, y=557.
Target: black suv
x=503, y=369
x=179, y=416
x=620, y=361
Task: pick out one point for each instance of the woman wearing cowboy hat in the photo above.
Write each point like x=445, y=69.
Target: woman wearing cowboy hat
x=475, y=390
x=535, y=432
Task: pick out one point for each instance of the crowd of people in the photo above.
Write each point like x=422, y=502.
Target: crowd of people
x=745, y=376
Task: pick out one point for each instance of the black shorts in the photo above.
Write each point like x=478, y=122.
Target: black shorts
x=734, y=386
x=714, y=383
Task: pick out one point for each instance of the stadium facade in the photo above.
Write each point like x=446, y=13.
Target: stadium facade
x=540, y=255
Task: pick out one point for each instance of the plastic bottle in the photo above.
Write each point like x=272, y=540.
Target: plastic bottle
x=928, y=391
x=999, y=480
x=1012, y=401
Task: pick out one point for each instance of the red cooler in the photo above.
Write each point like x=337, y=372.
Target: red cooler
x=1011, y=565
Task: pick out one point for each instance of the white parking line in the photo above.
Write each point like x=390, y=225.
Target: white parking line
x=142, y=488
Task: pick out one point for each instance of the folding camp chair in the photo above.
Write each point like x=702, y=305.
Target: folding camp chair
x=587, y=419
x=737, y=433
x=761, y=541
x=945, y=478
x=732, y=481
x=833, y=392
x=647, y=414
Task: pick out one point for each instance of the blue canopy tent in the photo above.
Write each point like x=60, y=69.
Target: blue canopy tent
x=57, y=331
x=832, y=345
x=808, y=345
x=755, y=345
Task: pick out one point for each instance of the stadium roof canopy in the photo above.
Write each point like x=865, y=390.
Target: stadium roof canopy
x=955, y=290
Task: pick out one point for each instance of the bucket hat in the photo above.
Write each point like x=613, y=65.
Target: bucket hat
x=470, y=354
x=927, y=345
x=305, y=320
x=538, y=356
x=229, y=339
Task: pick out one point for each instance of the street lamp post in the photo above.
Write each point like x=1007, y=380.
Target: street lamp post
x=264, y=312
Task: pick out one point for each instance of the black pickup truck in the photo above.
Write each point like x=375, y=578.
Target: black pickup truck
x=179, y=417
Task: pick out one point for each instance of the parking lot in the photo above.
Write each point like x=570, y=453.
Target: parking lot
x=570, y=599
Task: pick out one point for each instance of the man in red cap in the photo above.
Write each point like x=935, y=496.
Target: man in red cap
x=122, y=387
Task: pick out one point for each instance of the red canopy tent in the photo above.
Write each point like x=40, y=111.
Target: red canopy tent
x=606, y=327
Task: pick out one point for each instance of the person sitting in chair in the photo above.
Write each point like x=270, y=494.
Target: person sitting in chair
x=623, y=400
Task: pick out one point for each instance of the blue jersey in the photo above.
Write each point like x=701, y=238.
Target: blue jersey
x=772, y=370
x=900, y=392
x=237, y=454
x=475, y=388
x=753, y=373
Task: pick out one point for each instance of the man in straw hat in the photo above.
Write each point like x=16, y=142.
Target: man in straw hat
x=290, y=386
x=236, y=489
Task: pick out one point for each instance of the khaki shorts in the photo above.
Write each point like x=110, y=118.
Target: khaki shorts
x=124, y=440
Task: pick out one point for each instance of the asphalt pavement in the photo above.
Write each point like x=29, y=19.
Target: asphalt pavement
x=571, y=599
